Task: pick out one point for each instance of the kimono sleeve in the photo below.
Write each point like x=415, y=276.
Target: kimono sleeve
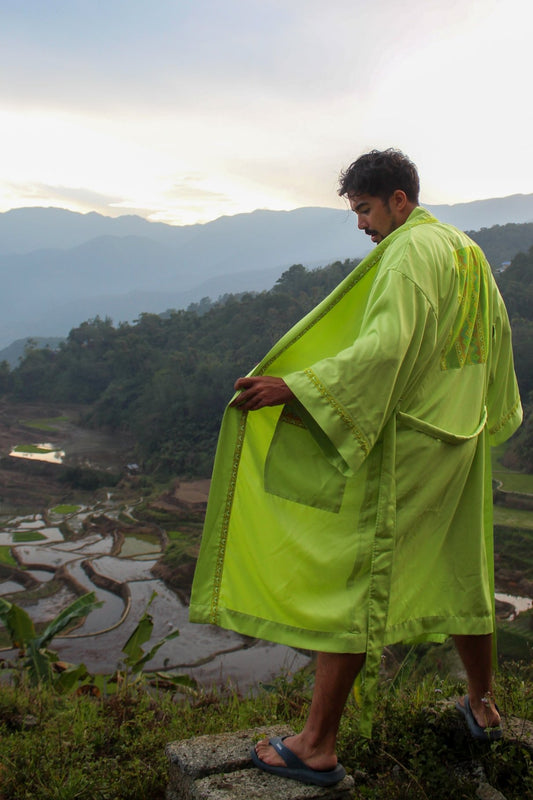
x=503, y=400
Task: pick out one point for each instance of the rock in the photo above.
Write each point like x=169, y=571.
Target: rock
x=487, y=792
x=219, y=768
x=519, y=731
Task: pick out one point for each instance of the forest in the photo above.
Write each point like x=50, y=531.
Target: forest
x=167, y=378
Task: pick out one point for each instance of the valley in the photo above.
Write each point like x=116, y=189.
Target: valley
x=59, y=540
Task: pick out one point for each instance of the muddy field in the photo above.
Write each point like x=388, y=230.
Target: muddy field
x=31, y=485
x=33, y=488
x=96, y=558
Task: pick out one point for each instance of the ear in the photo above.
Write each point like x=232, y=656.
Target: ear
x=399, y=200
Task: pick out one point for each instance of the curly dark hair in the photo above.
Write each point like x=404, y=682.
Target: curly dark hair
x=379, y=173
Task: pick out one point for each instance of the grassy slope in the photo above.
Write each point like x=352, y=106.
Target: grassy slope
x=85, y=748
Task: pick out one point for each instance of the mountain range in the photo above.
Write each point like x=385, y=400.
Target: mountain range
x=59, y=268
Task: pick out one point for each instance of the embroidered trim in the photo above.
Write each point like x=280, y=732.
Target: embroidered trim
x=503, y=422
x=292, y=419
x=356, y=433
x=219, y=567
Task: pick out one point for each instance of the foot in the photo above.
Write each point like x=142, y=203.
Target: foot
x=314, y=757
x=484, y=710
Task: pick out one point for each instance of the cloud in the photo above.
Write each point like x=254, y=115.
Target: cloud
x=175, y=109
x=190, y=190
x=72, y=197
x=198, y=199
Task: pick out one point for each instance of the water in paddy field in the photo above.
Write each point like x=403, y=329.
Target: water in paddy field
x=47, y=452
x=209, y=654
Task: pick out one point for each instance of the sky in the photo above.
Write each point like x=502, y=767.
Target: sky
x=183, y=111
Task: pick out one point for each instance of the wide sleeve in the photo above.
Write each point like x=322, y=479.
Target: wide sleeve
x=503, y=400
x=351, y=395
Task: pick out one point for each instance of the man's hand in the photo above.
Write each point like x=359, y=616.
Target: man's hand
x=259, y=391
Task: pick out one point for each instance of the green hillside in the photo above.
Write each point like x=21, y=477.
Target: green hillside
x=167, y=378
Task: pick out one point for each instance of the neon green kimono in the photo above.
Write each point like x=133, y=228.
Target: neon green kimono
x=360, y=514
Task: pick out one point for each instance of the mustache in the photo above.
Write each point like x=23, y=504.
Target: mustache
x=370, y=232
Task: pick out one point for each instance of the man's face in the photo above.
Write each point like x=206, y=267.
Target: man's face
x=374, y=216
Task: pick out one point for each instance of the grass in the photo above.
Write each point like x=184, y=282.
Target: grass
x=513, y=517
x=516, y=638
x=32, y=448
x=175, y=536
x=7, y=558
x=43, y=424
x=93, y=748
x=514, y=547
x=511, y=481
x=27, y=536
x=65, y=509
x=514, y=481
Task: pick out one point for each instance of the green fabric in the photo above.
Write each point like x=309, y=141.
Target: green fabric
x=359, y=515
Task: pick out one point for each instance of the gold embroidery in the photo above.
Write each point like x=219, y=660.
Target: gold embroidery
x=466, y=343
x=503, y=422
x=213, y=617
x=291, y=418
x=356, y=433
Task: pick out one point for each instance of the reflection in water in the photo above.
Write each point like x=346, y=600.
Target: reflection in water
x=46, y=608
x=46, y=452
x=519, y=603
x=123, y=570
x=10, y=587
x=108, y=614
x=41, y=575
x=134, y=546
x=220, y=655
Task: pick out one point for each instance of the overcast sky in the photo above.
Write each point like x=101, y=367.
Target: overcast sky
x=186, y=110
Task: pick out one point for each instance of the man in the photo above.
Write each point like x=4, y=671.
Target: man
x=352, y=508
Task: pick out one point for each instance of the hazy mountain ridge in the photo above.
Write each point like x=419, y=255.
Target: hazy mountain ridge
x=23, y=230
x=58, y=267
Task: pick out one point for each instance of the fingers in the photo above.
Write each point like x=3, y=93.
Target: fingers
x=248, y=400
x=244, y=383
x=251, y=395
x=259, y=391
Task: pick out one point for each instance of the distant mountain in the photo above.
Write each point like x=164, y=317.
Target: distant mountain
x=485, y=213
x=25, y=229
x=58, y=268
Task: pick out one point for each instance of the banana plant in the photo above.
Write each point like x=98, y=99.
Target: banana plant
x=34, y=655
x=42, y=664
x=136, y=659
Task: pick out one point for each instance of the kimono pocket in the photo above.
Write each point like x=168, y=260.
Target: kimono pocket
x=297, y=468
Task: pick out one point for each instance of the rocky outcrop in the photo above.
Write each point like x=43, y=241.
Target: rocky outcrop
x=220, y=768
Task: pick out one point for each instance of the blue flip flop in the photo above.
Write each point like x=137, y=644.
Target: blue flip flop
x=295, y=769
x=484, y=734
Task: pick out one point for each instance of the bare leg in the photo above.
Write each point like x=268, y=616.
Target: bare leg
x=315, y=745
x=476, y=655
